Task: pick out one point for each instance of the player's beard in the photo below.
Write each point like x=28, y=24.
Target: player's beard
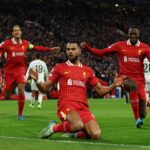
x=74, y=60
x=134, y=42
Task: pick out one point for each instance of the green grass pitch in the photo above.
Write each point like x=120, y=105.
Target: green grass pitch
x=114, y=116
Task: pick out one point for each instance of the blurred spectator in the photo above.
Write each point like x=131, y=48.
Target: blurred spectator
x=55, y=23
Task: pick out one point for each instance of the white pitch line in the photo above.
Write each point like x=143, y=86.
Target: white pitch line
x=74, y=142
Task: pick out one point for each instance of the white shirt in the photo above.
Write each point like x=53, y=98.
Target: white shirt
x=41, y=68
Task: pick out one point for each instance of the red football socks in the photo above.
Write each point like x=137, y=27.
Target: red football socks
x=62, y=127
x=21, y=102
x=134, y=99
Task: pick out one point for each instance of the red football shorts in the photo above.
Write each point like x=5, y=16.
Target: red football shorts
x=65, y=107
x=141, y=89
x=10, y=79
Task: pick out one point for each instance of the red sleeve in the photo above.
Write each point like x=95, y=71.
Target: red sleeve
x=3, y=46
x=92, y=79
x=41, y=48
x=54, y=74
x=100, y=52
x=147, y=53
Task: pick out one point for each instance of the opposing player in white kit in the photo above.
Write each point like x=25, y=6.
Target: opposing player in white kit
x=147, y=78
x=41, y=67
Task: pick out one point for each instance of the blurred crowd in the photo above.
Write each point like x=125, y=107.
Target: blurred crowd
x=52, y=24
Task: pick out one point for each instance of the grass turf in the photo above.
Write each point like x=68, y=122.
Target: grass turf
x=115, y=119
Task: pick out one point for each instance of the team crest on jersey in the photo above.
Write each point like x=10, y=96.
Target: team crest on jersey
x=139, y=52
x=84, y=74
x=22, y=47
x=12, y=48
x=66, y=72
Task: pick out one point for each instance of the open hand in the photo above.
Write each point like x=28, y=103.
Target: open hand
x=33, y=74
x=56, y=49
x=118, y=80
x=83, y=44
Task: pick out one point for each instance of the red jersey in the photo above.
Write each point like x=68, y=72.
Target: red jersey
x=73, y=81
x=15, y=55
x=130, y=57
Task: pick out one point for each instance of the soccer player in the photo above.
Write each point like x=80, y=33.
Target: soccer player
x=15, y=67
x=42, y=70
x=147, y=78
x=73, y=109
x=131, y=54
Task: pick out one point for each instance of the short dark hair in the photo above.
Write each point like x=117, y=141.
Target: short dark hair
x=37, y=55
x=73, y=42
x=133, y=27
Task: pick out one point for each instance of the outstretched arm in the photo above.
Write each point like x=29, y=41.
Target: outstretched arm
x=102, y=90
x=100, y=52
x=43, y=87
x=42, y=48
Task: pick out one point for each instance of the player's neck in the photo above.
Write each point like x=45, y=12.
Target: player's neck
x=17, y=40
x=134, y=43
x=75, y=62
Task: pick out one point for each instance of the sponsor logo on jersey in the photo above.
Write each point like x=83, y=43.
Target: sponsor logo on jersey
x=75, y=83
x=131, y=59
x=125, y=59
x=69, y=82
x=17, y=54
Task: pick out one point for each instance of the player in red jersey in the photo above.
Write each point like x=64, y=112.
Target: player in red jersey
x=73, y=109
x=15, y=67
x=131, y=54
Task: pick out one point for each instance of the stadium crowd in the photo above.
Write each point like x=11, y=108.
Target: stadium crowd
x=55, y=24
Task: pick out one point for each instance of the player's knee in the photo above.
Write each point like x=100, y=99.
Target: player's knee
x=7, y=95
x=96, y=134
x=21, y=90
x=133, y=87
x=78, y=125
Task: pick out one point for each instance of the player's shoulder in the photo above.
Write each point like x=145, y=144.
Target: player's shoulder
x=121, y=42
x=143, y=45
x=86, y=68
x=24, y=41
x=7, y=41
x=117, y=43
x=60, y=65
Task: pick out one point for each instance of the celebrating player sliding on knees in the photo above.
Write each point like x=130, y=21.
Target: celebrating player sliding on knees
x=73, y=109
